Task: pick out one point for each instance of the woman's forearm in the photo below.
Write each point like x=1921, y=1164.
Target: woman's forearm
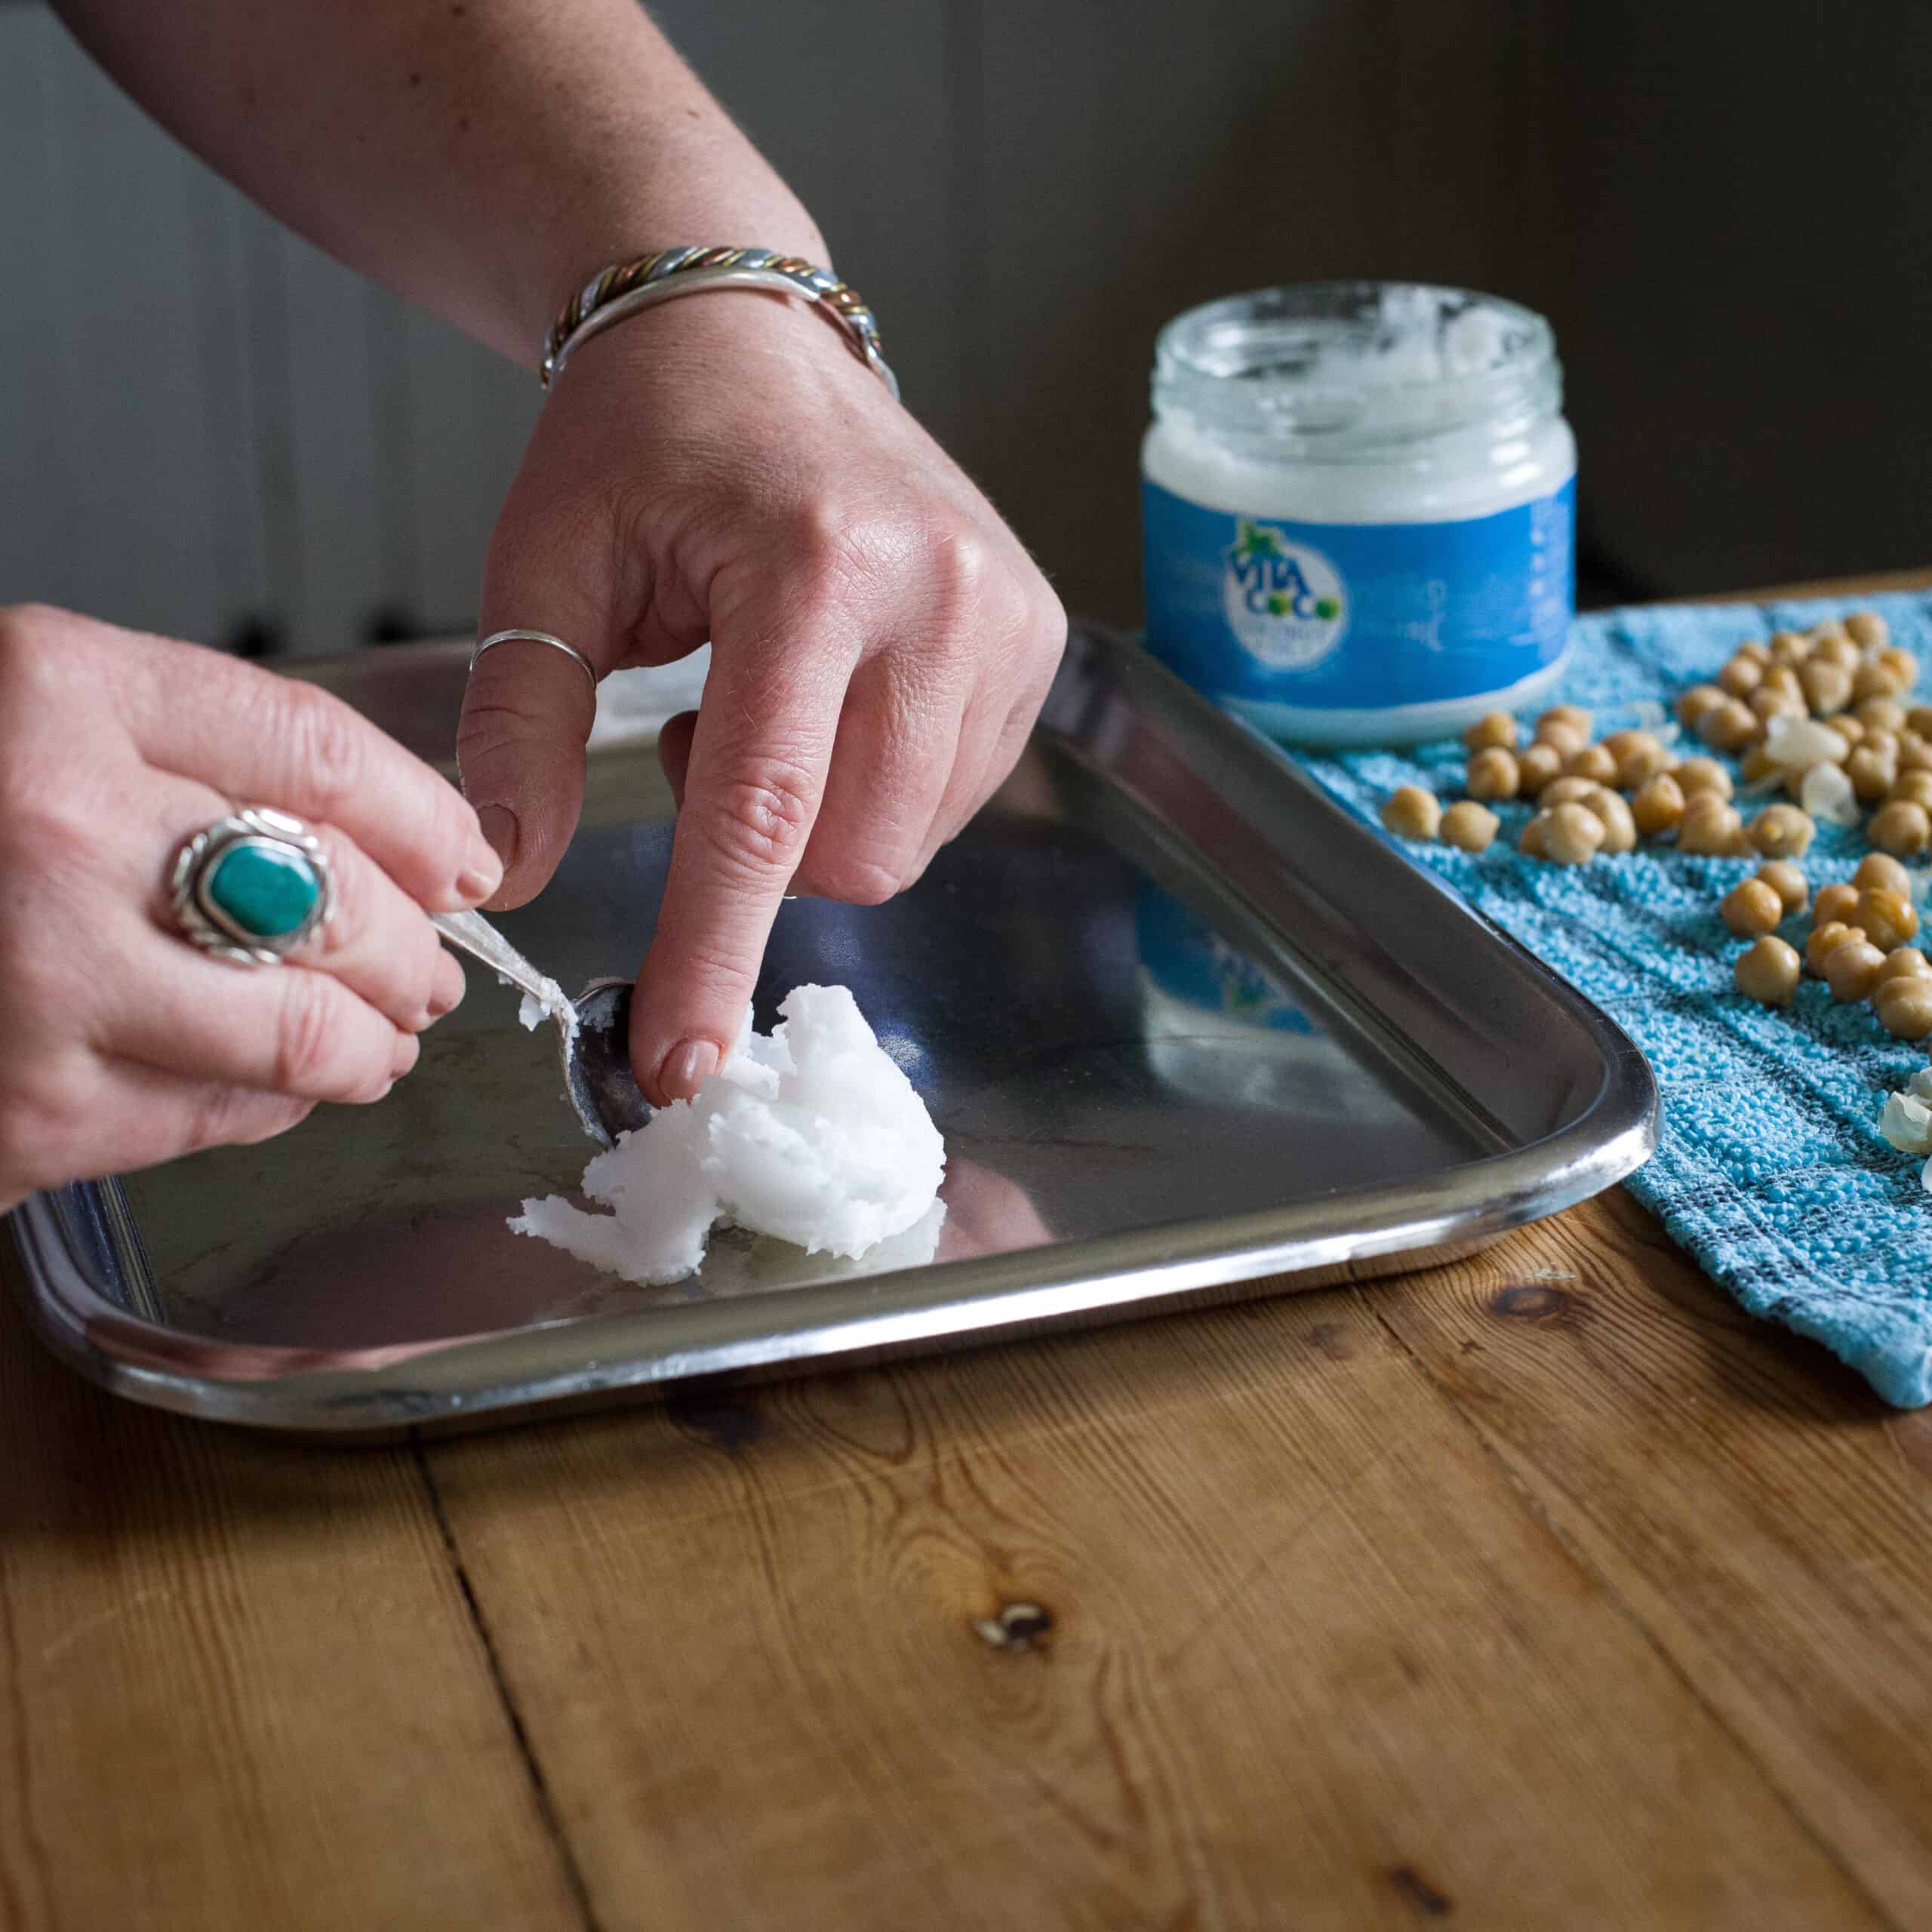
x=482, y=156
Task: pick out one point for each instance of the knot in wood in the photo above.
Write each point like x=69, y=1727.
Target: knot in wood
x=1017, y=1627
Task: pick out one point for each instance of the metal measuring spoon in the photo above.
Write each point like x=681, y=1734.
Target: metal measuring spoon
x=593, y=1030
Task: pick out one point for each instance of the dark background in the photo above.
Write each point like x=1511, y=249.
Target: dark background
x=208, y=429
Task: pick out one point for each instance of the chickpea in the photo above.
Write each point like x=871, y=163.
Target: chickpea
x=1751, y=907
x=1566, y=739
x=1834, y=902
x=1903, y=828
x=1782, y=677
x=1729, y=726
x=1880, y=714
x=1574, y=715
x=1574, y=835
x=1639, y=756
x=1766, y=705
x=1692, y=705
x=1789, y=883
x=1903, y=1004
x=1840, y=651
x=1620, y=824
x=1741, y=677
x=1919, y=719
x=1783, y=832
x=1531, y=840
x=1851, y=970
x=1494, y=731
x=1701, y=775
x=1493, y=774
x=1828, y=687
x=1887, y=916
x=1875, y=868
x=1789, y=647
x=1914, y=754
x=1874, y=679
x=1537, y=764
x=1885, y=744
x=1768, y=973
x=1412, y=812
x=1658, y=805
x=1868, y=630
x=1916, y=786
x=1903, y=666
x=1565, y=791
x=1711, y=830
x=1851, y=729
x=1825, y=631
x=1593, y=763
x=1756, y=650
x=1903, y=962
x=1758, y=764
x=1825, y=940
x=1469, y=827
x=1870, y=772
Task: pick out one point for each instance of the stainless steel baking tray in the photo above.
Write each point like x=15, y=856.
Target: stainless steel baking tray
x=1190, y=1031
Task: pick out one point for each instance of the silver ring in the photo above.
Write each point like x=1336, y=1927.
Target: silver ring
x=576, y=656
x=250, y=887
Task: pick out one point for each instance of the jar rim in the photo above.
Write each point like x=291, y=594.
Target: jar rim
x=1337, y=365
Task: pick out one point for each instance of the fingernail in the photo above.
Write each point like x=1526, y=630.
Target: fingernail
x=484, y=871
x=687, y=1067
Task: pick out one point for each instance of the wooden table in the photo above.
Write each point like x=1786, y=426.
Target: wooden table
x=1544, y=1590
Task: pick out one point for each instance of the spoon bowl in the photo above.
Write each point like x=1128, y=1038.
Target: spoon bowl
x=597, y=1063
x=593, y=1030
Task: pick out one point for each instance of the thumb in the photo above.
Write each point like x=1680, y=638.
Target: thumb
x=529, y=707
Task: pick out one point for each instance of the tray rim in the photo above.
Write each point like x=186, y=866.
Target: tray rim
x=1351, y=1234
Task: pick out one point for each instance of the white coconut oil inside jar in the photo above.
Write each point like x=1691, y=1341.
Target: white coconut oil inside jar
x=1358, y=508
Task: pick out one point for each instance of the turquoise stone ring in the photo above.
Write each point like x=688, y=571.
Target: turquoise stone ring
x=251, y=887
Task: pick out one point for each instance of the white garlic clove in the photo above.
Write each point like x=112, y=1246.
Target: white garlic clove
x=1825, y=792
x=1906, y=1122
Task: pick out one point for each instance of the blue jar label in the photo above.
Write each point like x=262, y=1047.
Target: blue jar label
x=1357, y=616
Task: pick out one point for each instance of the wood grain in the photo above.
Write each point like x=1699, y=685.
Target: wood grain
x=1545, y=1590
x=1312, y=1659
x=1766, y=1517
x=239, y=1685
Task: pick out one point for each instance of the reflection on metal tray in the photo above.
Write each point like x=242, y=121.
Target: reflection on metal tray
x=1184, y=1024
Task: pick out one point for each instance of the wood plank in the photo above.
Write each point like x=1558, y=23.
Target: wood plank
x=1312, y=1660
x=340, y=535
x=452, y=436
x=1767, y=1517
x=1694, y=415
x=855, y=103
x=37, y=373
x=120, y=334
x=239, y=1684
x=1870, y=585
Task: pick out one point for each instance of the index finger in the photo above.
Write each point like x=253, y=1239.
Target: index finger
x=753, y=791
x=265, y=739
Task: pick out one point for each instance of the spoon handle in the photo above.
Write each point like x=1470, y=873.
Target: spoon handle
x=477, y=936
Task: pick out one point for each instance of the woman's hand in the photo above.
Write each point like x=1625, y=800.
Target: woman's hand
x=725, y=467
x=120, y=1044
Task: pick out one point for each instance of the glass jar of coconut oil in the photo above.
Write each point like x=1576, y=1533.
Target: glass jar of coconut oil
x=1358, y=501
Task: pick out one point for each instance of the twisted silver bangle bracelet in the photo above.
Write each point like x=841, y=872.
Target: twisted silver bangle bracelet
x=625, y=288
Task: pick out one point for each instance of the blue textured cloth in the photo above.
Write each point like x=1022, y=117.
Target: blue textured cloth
x=1770, y=1169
